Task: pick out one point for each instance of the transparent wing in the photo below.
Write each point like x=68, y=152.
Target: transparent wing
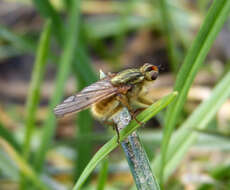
x=89, y=95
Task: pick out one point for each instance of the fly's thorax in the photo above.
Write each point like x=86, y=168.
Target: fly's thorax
x=135, y=90
x=128, y=76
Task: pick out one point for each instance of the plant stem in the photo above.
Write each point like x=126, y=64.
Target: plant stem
x=136, y=155
x=139, y=163
x=168, y=32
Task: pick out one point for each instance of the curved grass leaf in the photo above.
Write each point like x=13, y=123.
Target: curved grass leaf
x=103, y=175
x=20, y=42
x=168, y=32
x=22, y=164
x=34, y=91
x=9, y=137
x=7, y=166
x=35, y=85
x=212, y=24
x=48, y=11
x=188, y=133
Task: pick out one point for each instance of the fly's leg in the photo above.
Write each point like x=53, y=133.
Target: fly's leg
x=124, y=101
x=134, y=117
x=118, y=133
x=137, y=111
x=114, y=128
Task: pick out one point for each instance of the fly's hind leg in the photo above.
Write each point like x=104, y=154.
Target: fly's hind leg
x=114, y=125
x=117, y=131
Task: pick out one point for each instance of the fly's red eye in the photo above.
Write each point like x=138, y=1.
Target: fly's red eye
x=155, y=68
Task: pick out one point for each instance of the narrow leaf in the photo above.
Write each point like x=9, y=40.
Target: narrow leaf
x=212, y=24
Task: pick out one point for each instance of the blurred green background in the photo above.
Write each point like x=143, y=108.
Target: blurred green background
x=50, y=49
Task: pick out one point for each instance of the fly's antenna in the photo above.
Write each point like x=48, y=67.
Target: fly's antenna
x=161, y=67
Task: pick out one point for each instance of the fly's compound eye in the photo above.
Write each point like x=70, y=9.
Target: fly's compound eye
x=154, y=75
x=149, y=71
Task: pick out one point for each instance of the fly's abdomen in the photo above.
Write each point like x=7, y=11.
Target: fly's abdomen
x=104, y=109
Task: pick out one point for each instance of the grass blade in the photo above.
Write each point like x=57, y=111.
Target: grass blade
x=34, y=91
x=85, y=76
x=81, y=69
x=35, y=86
x=7, y=166
x=103, y=175
x=5, y=134
x=22, y=164
x=49, y=12
x=112, y=144
x=17, y=41
x=7, y=51
x=168, y=31
x=188, y=133
x=63, y=72
x=213, y=22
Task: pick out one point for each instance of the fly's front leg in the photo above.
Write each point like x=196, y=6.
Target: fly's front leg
x=142, y=101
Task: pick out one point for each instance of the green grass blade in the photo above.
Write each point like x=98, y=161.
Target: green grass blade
x=22, y=164
x=34, y=91
x=82, y=71
x=112, y=144
x=82, y=68
x=85, y=76
x=168, y=32
x=84, y=146
x=35, y=86
x=102, y=27
x=213, y=22
x=81, y=61
x=103, y=175
x=8, y=51
x=7, y=166
x=17, y=41
x=49, y=12
x=9, y=137
x=63, y=72
x=188, y=133
x=81, y=64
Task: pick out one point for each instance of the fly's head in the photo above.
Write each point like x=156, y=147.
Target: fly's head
x=150, y=72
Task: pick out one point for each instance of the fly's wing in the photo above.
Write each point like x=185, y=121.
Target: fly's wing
x=89, y=95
